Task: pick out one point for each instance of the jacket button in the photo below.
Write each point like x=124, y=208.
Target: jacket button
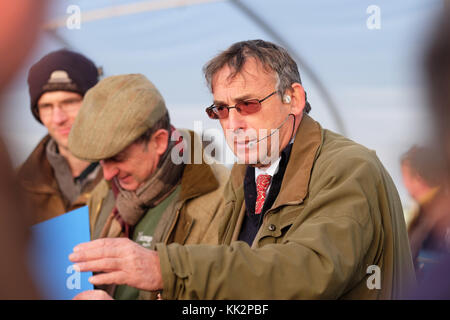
x=272, y=227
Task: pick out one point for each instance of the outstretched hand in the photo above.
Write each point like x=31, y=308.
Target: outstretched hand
x=119, y=261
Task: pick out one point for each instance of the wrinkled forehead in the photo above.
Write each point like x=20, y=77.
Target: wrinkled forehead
x=252, y=71
x=58, y=96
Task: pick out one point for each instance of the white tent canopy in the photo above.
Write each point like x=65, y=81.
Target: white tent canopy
x=373, y=76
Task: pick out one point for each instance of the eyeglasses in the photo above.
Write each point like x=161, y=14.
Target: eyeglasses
x=68, y=106
x=243, y=107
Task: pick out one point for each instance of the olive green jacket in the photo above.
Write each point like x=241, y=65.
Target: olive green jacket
x=337, y=215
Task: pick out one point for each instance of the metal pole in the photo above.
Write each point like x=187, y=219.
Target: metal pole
x=304, y=66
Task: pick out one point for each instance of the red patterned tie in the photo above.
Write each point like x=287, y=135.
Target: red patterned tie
x=262, y=183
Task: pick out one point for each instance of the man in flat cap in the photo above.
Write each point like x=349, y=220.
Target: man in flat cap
x=145, y=196
x=53, y=179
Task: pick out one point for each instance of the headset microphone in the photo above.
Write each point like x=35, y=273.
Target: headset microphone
x=252, y=143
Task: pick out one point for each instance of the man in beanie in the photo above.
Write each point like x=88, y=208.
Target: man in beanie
x=146, y=196
x=54, y=180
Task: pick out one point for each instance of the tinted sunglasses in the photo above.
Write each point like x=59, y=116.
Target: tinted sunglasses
x=243, y=107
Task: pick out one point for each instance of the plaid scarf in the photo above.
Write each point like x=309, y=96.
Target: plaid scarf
x=132, y=205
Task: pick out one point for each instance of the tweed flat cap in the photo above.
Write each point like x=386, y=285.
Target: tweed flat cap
x=115, y=112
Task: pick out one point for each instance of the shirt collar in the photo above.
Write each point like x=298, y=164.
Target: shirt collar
x=271, y=170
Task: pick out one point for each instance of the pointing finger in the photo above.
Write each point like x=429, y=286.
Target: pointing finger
x=101, y=243
x=87, y=254
x=115, y=277
x=101, y=265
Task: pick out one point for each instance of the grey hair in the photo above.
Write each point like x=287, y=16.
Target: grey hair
x=273, y=58
x=163, y=123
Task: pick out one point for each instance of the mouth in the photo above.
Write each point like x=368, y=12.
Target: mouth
x=242, y=140
x=64, y=131
x=124, y=179
x=245, y=146
x=242, y=144
x=127, y=182
x=245, y=142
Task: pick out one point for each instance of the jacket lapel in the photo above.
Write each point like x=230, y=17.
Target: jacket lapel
x=308, y=141
x=294, y=188
x=40, y=181
x=197, y=179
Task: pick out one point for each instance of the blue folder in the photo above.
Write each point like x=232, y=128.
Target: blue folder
x=52, y=242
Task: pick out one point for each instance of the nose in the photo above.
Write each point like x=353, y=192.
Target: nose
x=109, y=169
x=58, y=115
x=235, y=121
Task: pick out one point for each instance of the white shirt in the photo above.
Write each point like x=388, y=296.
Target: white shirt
x=271, y=170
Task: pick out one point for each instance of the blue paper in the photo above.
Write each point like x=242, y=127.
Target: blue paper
x=52, y=242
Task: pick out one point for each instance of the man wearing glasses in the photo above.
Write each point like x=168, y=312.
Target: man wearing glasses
x=317, y=217
x=54, y=180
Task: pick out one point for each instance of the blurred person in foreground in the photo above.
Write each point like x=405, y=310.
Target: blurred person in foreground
x=437, y=70
x=19, y=28
x=145, y=196
x=309, y=214
x=423, y=170
x=53, y=179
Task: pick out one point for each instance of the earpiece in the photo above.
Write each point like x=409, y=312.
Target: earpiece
x=286, y=99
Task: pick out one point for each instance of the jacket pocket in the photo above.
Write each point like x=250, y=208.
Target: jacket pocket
x=275, y=226
x=183, y=229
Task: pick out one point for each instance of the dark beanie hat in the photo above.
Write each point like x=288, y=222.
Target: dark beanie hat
x=60, y=70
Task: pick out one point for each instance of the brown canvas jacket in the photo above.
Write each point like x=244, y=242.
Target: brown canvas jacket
x=337, y=216
x=39, y=184
x=187, y=220
x=191, y=218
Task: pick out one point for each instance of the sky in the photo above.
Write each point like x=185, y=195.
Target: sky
x=374, y=76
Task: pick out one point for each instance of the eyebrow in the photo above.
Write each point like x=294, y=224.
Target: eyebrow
x=241, y=98
x=47, y=104
x=118, y=156
x=67, y=100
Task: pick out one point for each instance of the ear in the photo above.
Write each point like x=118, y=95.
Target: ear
x=297, y=103
x=160, y=141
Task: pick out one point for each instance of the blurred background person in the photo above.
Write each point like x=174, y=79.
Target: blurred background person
x=56, y=181
x=19, y=25
x=423, y=169
x=437, y=70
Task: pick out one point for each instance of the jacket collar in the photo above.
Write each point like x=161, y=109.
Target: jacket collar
x=42, y=180
x=36, y=174
x=197, y=179
x=294, y=188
